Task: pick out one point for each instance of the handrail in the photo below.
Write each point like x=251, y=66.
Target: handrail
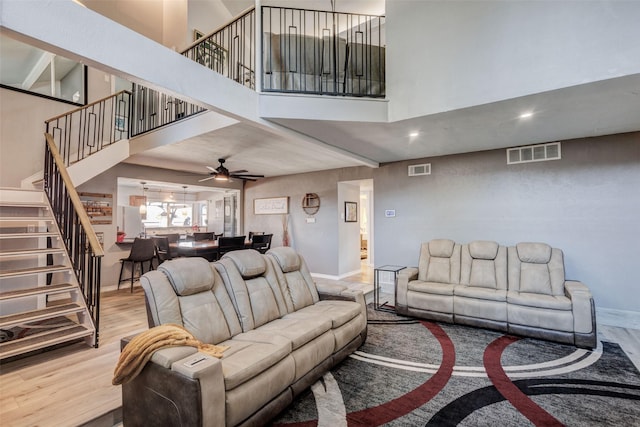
x=106, y=98
x=96, y=248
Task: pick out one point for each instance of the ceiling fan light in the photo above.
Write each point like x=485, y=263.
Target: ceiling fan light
x=220, y=177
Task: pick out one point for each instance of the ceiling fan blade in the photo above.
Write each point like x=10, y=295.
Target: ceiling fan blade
x=241, y=171
x=212, y=169
x=206, y=179
x=244, y=175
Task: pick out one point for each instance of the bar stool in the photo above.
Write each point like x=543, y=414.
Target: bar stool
x=142, y=250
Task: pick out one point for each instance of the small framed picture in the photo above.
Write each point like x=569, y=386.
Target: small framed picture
x=350, y=212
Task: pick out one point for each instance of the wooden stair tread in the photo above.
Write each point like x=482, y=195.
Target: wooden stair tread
x=38, y=251
x=15, y=204
x=34, y=270
x=43, y=339
x=28, y=235
x=39, y=314
x=40, y=290
x=25, y=218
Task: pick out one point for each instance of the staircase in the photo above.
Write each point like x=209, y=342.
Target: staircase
x=41, y=303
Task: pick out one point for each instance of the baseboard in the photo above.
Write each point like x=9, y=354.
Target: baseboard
x=333, y=277
x=619, y=318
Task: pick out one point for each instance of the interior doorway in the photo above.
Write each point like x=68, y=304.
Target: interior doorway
x=366, y=222
x=355, y=229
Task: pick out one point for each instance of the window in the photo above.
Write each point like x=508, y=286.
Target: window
x=28, y=69
x=169, y=214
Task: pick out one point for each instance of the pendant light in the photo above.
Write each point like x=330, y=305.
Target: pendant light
x=143, y=205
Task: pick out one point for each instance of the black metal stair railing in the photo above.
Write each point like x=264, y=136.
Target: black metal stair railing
x=152, y=110
x=230, y=50
x=77, y=233
x=86, y=130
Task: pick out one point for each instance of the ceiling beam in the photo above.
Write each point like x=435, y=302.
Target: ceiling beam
x=36, y=71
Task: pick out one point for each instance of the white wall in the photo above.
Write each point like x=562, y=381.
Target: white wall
x=348, y=232
x=445, y=55
x=22, y=130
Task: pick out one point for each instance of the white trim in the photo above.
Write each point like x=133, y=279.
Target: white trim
x=334, y=277
x=620, y=318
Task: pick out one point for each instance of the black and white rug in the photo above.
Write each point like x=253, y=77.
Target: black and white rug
x=420, y=373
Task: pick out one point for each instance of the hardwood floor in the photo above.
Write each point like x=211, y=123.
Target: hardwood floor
x=71, y=386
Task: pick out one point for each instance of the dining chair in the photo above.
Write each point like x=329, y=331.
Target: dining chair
x=228, y=244
x=203, y=236
x=172, y=238
x=163, y=251
x=261, y=242
x=255, y=233
x=142, y=250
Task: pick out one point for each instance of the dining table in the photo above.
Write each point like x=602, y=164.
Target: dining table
x=201, y=248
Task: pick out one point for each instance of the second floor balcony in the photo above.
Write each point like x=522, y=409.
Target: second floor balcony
x=302, y=51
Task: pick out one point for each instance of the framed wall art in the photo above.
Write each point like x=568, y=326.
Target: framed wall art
x=350, y=212
x=271, y=205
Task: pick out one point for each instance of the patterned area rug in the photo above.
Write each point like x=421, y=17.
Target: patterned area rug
x=420, y=373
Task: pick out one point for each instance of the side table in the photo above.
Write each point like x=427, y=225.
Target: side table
x=394, y=269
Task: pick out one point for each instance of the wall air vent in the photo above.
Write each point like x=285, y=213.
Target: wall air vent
x=534, y=153
x=416, y=170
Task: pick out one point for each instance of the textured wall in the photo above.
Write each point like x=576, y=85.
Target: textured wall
x=587, y=204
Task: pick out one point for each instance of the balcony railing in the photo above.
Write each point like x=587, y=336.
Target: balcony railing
x=152, y=110
x=303, y=51
x=230, y=50
x=87, y=130
x=310, y=51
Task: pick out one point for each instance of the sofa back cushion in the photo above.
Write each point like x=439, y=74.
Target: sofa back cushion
x=536, y=268
x=484, y=264
x=439, y=262
x=299, y=288
x=190, y=293
x=253, y=287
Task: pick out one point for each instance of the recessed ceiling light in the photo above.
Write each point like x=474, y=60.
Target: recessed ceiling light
x=526, y=115
x=414, y=134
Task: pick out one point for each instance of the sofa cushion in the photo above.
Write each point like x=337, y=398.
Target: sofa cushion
x=555, y=302
x=188, y=276
x=481, y=293
x=441, y=248
x=298, y=331
x=338, y=312
x=482, y=249
x=250, y=262
x=535, y=278
x=244, y=360
x=431, y=287
x=287, y=258
x=536, y=253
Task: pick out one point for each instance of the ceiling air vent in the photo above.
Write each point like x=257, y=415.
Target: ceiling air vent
x=534, y=153
x=416, y=170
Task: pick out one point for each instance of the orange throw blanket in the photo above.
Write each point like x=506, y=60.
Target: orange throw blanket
x=140, y=349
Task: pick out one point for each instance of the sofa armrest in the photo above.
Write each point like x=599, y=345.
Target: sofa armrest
x=404, y=277
x=170, y=387
x=582, y=306
x=341, y=292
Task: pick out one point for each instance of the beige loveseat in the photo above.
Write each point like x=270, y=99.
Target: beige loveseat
x=521, y=290
x=282, y=331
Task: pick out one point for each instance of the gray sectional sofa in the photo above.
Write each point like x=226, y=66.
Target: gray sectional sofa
x=282, y=331
x=520, y=289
